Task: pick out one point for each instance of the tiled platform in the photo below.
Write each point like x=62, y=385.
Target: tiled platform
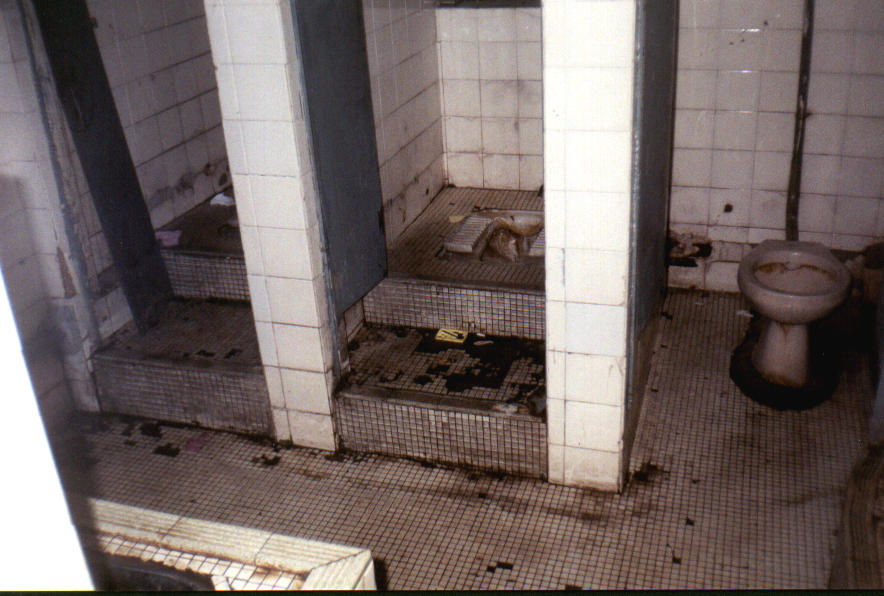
x=419, y=251
x=200, y=364
x=725, y=493
x=496, y=369
x=208, y=261
x=477, y=404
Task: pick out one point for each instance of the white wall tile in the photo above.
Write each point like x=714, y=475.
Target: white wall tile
x=556, y=461
x=460, y=60
x=816, y=213
x=771, y=170
x=595, y=379
x=285, y=253
x=593, y=426
x=599, y=33
x=555, y=421
x=528, y=60
x=270, y=148
x=739, y=48
x=279, y=202
x=530, y=99
x=598, y=161
x=775, y=132
x=689, y=204
x=827, y=93
x=555, y=326
x=697, y=49
x=528, y=24
x=530, y=172
x=819, y=173
x=596, y=277
x=497, y=24
x=686, y=277
x=461, y=97
x=312, y=430
x=292, y=301
x=722, y=276
x=266, y=343
x=695, y=14
x=596, y=329
x=465, y=169
x=463, y=134
x=597, y=221
x=298, y=347
x=245, y=24
x=262, y=91
x=781, y=50
x=691, y=167
x=500, y=135
x=305, y=391
x=497, y=60
x=591, y=468
x=501, y=171
x=737, y=90
x=456, y=25
x=865, y=96
x=499, y=99
x=778, y=91
x=598, y=99
x=729, y=207
x=530, y=136
x=695, y=89
x=258, y=298
x=768, y=210
x=735, y=130
x=732, y=169
x=694, y=128
x=864, y=137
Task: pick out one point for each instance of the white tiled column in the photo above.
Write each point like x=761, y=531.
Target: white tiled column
x=259, y=84
x=588, y=88
x=45, y=290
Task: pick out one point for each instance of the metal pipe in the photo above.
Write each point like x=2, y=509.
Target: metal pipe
x=801, y=115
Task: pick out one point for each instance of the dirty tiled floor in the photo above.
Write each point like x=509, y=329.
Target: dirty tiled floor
x=725, y=493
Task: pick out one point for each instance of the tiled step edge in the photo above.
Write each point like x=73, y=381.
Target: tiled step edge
x=430, y=305
x=196, y=274
x=223, y=398
x=468, y=433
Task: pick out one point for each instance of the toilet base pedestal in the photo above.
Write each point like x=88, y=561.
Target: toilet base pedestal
x=822, y=370
x=781, y=354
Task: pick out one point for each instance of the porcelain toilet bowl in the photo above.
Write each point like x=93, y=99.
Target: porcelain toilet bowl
x=790, y=284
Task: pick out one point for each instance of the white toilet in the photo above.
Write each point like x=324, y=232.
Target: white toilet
x=790, y=284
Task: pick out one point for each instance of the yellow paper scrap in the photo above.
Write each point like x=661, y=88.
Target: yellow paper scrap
x=454, y=336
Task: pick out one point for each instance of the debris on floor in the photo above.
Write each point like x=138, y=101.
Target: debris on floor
x=502, y=369
x=222, y=200
x=168, y=238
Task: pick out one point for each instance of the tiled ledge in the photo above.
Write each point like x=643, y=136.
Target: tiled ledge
x=225, y=552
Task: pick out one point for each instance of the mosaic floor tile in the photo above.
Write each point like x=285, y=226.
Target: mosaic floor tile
x=725, y=493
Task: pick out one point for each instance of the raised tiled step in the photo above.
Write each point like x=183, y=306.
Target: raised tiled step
x=208, y=260
x=199, y=365
x=452, y=431
x=431, y=304
x=475, y=404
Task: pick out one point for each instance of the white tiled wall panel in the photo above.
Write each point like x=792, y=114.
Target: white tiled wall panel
x=492, y=96
x=735, y=115
x=587, y=111
x=45, y=291
x=406, y=91
x=259, y=85
x=159, y=67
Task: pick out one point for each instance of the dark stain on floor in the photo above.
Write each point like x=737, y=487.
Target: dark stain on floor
x=489, y=367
